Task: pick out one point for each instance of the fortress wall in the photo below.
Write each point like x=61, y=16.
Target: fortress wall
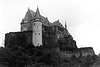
x=20, y=38
x=79, y=52
x=87, y=51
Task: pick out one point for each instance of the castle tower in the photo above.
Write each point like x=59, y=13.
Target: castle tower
x=37, y=29
x=65, y=25
x=66, y=31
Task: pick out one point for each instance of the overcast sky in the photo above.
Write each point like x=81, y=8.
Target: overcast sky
x=82, y=17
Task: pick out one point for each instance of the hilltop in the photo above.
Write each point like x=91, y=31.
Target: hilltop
x=41, y=43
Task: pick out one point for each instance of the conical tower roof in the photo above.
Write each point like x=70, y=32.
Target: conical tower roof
x=66, y=30
x=65, y=25
x=37, y=14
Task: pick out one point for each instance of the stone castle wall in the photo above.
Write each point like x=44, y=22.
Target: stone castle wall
x=79, y=52
x=20, y=38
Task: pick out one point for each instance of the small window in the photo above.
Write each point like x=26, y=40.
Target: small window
x=34, y=23
x=37, y=26
x=39, y=33
x=35, y=33
x=38, y=43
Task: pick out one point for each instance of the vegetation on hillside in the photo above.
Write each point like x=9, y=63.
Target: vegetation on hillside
x=30, y=56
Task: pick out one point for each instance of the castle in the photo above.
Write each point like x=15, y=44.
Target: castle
x=40, y=25
x=38, y=31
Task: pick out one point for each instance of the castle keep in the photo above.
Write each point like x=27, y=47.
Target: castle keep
x=38, y=31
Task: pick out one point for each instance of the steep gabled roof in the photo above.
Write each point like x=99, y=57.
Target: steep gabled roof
x=22, y=20
x=46, y=22
x=32, y=13
x=57, y=23
x=47, y=19
x=28, y=15
x=65, y=25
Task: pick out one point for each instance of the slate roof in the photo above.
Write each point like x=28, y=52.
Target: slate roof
x=37, y=14
x=31, y=15
x=28, y=16
x=57, y=23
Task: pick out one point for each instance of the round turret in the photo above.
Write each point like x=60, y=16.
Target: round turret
x=37, y=29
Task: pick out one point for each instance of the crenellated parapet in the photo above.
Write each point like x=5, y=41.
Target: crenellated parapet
x=19, y=38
